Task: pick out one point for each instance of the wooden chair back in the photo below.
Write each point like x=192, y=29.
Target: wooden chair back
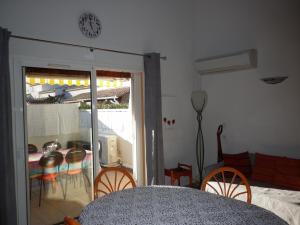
x=70, y=221
x=228, y=182
x=112, y=179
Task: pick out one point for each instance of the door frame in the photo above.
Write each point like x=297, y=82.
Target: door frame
x=138, y=127
x=138, y=136
x=17, y=63
x=20, y=126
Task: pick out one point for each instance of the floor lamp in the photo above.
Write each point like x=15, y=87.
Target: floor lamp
x=199, y=99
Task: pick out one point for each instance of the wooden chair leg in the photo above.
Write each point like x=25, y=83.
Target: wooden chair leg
x=178, y=181
x=172, y=181
x=190, y=181
x=172, y=178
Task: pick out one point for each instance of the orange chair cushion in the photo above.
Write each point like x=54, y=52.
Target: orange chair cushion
x=239, y=161
x=48, y=177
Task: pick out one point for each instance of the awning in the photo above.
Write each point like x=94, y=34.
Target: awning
x=33, y=80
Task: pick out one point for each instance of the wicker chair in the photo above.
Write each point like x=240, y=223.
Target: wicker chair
x=227, y=180
x=111, y=180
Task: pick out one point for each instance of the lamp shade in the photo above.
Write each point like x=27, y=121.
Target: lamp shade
x=198, y=99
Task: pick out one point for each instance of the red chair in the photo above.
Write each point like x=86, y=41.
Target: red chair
x=181, y=171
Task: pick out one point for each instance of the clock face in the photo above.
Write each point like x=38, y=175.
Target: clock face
x=90, y=25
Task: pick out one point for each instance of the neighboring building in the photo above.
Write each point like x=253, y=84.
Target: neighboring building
x=113, y=95
x=109, y=90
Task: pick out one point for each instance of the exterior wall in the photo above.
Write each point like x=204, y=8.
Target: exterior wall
x=117, y=122
x=49, y=127
x=49, y=122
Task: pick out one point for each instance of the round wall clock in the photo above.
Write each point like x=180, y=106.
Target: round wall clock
x=90, y=25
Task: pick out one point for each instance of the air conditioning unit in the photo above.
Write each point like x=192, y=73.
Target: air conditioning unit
x=226, y=63
x=108, y=152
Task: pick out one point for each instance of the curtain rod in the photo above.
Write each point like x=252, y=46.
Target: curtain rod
x=80, y=46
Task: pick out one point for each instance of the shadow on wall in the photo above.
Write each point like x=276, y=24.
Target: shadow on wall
x=113, y=122
x=50, y=122
x=124, y=147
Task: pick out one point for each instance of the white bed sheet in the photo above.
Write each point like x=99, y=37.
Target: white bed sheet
x=283, y=203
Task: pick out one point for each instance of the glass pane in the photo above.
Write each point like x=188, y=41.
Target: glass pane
x=59, y=137
x=115, y=119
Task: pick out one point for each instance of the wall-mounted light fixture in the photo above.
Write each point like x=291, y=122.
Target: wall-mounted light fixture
x=274, y=80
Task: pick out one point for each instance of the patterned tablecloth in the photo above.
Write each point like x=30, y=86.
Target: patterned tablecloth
x=173, y=205
x=35, y=169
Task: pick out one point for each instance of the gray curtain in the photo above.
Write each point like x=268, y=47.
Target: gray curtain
x=153, y=120
x=8, y=212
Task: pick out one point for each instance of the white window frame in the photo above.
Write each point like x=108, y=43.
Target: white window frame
x=17, y=63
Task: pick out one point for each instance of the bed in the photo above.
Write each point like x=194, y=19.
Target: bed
x=274, y=182
x=283, y=203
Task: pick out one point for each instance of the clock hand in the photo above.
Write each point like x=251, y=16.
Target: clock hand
x=91, y=25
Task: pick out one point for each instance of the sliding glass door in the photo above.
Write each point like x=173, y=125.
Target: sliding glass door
x=74, y=121
x=59, y=143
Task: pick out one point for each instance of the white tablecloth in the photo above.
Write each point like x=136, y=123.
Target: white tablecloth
x=173, y=205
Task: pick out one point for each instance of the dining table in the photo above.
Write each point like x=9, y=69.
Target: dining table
x=35, y=169
x=166, y=205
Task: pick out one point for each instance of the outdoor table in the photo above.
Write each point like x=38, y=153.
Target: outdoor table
x=35, y=170
x=173, y=205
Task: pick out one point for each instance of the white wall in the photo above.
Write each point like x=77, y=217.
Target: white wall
x=132, y=25
x=118, y=122
x=257, y=117
x=50, y=122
